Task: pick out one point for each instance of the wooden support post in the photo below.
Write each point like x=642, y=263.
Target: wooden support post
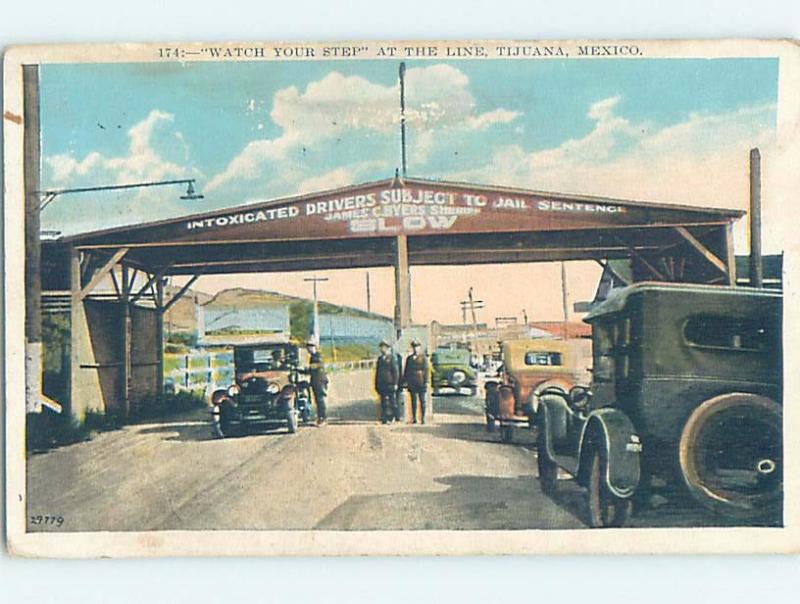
x=730, y=254
x=125, y=342
x=402, y=284
x=76, y=404
x=159, y=300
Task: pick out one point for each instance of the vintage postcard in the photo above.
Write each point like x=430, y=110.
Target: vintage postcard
x=467, y=297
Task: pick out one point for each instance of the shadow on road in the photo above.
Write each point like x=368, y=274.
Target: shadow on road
x=468, y=503
x=472, y=432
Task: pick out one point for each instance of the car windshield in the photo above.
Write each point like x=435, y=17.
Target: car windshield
x=451, y=357
x=543, y=358
x=262, y=359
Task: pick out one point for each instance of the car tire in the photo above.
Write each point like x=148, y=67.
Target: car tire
x=548, y=469
x=506, y=433
x=730, y=456
x=606, y=510
x=291, y=421
x=222, y=425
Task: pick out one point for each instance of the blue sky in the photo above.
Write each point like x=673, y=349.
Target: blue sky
x=250, y=131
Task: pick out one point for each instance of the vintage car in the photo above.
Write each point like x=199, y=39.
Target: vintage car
x=270, y=389
x=686, y=386
x=451, y=371
x=530, y=367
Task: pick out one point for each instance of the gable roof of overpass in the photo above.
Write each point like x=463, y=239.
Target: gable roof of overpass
x=446, y=223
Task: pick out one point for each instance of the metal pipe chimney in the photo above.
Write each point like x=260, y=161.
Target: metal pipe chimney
x=756, y=266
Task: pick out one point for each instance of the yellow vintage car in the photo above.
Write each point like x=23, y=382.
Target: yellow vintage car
x=531, y=366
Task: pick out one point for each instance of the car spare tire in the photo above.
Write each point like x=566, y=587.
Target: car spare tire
x=731, y=455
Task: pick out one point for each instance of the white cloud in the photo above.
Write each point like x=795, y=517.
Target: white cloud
x=498, y=116
x=155, y=151
x=144, y=161
x=337, y=105
x=701, y=160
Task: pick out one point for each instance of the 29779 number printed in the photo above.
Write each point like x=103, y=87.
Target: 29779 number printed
x=52, y=520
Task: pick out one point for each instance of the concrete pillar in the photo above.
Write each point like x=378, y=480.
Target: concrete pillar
x=402, y=284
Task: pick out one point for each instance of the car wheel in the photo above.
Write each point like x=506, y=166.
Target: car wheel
x=606, y=510
x=731, y=456
x=222, y=425
x=548, y=470
x=506, y=433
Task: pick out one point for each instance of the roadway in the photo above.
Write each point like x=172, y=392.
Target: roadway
x=352, y=473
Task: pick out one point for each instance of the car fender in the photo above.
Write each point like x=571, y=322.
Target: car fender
x=552, y=421
x=613, y=433
x=534, y=394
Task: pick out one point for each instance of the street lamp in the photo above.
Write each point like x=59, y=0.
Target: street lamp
x=49, y=195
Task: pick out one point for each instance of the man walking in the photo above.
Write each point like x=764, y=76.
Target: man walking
x=319, y=380
x=415, y=378
x=387, y=377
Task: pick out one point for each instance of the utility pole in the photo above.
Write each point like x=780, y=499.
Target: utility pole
x=473, y=305
x=756, y=266
x=403, y=116
x=314, y=335
x=369, y=296
x=33, y=250
x=525, y=316
x=564, y=302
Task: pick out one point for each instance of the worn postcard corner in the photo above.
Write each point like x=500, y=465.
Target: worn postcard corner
x=401, y=298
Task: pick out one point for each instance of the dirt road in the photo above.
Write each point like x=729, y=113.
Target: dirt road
x=352, y=473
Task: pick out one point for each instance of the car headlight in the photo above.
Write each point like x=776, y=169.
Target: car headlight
x=233, y=390
x=273, y=388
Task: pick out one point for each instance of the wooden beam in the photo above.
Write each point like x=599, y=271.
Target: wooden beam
x=100, y=274
x=155, y=277
x=182, y=291
x=703, y=250
x=649, y=266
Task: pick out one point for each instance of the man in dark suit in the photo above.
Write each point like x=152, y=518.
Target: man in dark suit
x=415, y=378
x=319, y=380
x=387, y=377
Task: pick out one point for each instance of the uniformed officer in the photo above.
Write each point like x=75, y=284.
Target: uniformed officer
x=387, y=378
x=319, y=379
x=415, y=378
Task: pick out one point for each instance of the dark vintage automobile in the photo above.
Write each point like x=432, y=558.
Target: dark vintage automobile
x=270, y=390
x=686, y=387
x=452, y=371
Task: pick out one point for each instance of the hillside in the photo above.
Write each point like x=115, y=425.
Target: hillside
x=182, y=316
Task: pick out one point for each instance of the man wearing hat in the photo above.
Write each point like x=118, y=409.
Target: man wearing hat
x=387, y=377
x=415, y=378
x=319, y=379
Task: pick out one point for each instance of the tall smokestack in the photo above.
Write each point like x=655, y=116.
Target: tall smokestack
x=756, y=268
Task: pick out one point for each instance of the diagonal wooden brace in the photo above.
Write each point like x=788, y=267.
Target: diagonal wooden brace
x=703, y=250
x=155, y=277
x=100, y=274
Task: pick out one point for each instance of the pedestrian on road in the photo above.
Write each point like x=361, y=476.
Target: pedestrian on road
x=387, y=378
x=415, y=378
x=319, y=380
